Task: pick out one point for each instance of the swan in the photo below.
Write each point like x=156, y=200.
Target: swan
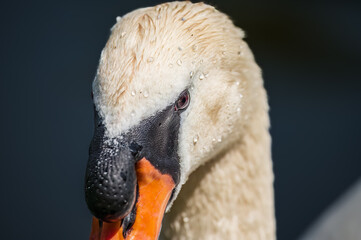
x=181, y=126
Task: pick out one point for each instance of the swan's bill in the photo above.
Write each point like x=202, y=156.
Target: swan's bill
x=155, y=190
x=130, y=178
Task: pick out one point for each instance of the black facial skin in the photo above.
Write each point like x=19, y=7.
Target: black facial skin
x=110, y=181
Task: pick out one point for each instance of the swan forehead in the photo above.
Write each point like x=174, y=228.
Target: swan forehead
x=152, y=55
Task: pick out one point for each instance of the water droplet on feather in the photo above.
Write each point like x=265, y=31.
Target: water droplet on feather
x=195, y=139
x=201, y=77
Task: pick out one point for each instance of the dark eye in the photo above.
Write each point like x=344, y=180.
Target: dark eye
x=183, y=101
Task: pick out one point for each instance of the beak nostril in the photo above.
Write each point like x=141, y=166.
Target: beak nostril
x=135, y=148
x=129, y=220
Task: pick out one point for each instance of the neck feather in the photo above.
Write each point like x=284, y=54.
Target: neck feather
x=231, y=196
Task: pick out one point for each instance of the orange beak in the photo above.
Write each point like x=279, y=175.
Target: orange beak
x=155, y=190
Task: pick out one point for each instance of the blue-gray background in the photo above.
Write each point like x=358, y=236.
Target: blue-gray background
x=310, y=54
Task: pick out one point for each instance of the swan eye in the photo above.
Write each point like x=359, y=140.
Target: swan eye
x=183, y=101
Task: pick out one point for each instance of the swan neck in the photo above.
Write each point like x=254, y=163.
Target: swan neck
x=230, y=197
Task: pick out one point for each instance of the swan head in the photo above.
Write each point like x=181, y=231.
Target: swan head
x=174, y=87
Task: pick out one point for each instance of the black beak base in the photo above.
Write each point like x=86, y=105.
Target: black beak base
x=110, y=181
x=110, y=177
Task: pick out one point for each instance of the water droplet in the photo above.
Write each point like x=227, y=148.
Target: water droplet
x=240, y=95
x=185, y=219
x=118, y=18
x=213, y=140
x=133, y=93
x=158, y=17
x=179, y=62
x=223, y=53
x=191, y=74
x=146, y=94
x=219, y=139
x=105, y=173
x=238, y=109
x=201, y=60
x=195, y=139
x=195, y=47
x=132, y=114
x=201, y=77
x=237, y=83
x=123, y=34
x=170, y=65
x=150, y=60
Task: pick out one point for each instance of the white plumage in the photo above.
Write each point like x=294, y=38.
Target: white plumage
x=151, y=56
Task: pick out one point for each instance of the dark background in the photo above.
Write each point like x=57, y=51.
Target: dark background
x=310, y=54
